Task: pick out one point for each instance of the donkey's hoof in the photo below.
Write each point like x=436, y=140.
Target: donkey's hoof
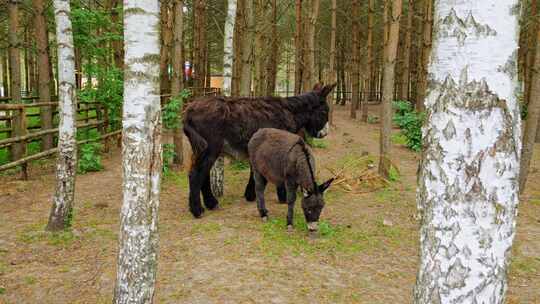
x=290, y=228
x=197, y=211
x=264, y=218
x=250, y=197
x=211, y=204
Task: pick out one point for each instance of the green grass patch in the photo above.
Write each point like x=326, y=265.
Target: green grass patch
x=277, y=241
x=205, y=228
x=399, y=139
x=239, y=165
x=525, y=265
x=319, y=143
x=36, y=233
x=29, y=280
x=387, y=195
x=2, y=290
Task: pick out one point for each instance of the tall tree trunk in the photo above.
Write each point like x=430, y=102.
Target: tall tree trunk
x=355, y=59
x=333, y=70
x=311, y=74
x=247, y=49
x=405, y=75
x=239, y=30
x=118, y=48
x=259, y=51
x=468, y=177
x=177, y=83
x=424, y=58
x=533, y=116
x=370, y=59
x=392, y=22
x=299, y=47
x=531, y=50
x=272, y=62
x=42, y=41
x=17, y=149
x=66, y=165
x=141, y=149
x=4, y=60
x=166, y=39
x=199, y=45
x=228, y=51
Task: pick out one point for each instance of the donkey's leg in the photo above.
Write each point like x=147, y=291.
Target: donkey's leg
x=196, y=179
x=249, y=194
x=260, y=185
x=291, y=199
x=281, y=191
x=209, y=199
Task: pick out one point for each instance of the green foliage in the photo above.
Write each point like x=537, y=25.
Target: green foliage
x=410, y=122
x=89, y=158
x=239, y=165
x=316, y=142
x=2, y=290
x=171, y=115
x=393, y=174
x=168, y=157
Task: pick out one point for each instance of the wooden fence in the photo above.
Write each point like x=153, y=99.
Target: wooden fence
x=16, y=131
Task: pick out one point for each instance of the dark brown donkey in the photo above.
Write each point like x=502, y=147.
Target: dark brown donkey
x=216, y=125
x=281, y=157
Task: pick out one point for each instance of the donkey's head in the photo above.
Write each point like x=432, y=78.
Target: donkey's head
x=317, y=124
x=313, y=204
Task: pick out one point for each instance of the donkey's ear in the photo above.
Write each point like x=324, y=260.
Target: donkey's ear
x=318, y=88
x=325, y=185
x=327, y=89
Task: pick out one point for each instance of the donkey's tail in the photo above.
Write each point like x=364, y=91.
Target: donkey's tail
x=198, y=143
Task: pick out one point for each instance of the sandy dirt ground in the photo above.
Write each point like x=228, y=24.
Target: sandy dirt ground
x=368, y=253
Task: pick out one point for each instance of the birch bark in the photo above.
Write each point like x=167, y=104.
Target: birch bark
x=66, y=164
x=141, y=148
x=468, y=177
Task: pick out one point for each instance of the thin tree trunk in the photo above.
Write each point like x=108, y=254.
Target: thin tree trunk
x=228, y=51
x=370, y=59
x=66, y=165
x=5, y=73
x=531, y=50
x=424, y=58
x=392, y=22
x=259, y=51
x=299, y=47
x=272, y=62
x=311, y=76
x=199, y=45
x=166, y=38
x=239, y=29
x=405, y=75
x=333, y=72
x=17, y=149
x=177, y=84
x=355, y=59
x=141, y=149
x=533, y=116
x=42, y=41
x=247, y=49
x=468, y=176
x=118, y=48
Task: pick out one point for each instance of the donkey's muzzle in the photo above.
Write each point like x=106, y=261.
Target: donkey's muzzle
x=324, y=131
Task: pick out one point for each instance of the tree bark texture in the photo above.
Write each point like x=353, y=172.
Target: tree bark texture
x=42, y=42
x=468, y=176
x=66, y=163
x=355, y=101
x=393, y=16
x=177, y=83
x=141, y=149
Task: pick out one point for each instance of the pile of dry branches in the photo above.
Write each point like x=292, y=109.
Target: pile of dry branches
x=358, y=175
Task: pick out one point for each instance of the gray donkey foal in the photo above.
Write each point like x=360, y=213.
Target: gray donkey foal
x=281, y=157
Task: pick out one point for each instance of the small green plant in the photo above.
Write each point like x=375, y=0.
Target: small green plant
x=372, y=119
x=410, y=122
x=171, y=115
x=168, y=156
x=2, y=290
x=89, y=158
x=239, y=165
x=319, y=143
x=393, y=174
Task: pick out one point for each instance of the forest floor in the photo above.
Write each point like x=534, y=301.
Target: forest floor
x=368, y=252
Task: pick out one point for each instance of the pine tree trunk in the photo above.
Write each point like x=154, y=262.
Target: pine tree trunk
x=468, y=177
x=333, y=72
x=355, y=59
x=424, y=58
x=237, y=47
x=370, y=59
x=66, y=165
x=177, y=83
x=299, y=47
x=166, y=39
x=531, y=51
x=259, y=50
x=272, y=62
x=17, y=149
x=311, y=77
x=199, y=45
x=5, y=73
x=405, y=75
x=118, y=48
x=141, y=149
x=392, y=22
x=42, y=41
x=247, y=49
x=533, y=116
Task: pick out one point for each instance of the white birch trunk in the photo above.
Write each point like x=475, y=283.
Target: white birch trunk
x=228, y=49
x=141, y=148
x=468, y=182
x=66, y=165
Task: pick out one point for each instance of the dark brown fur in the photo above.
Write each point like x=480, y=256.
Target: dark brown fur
x=216, y=125
x=281, y=157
